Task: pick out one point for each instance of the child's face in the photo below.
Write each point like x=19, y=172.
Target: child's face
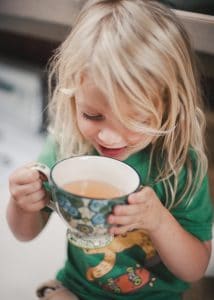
x=100, y=126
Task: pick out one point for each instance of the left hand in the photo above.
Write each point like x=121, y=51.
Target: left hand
x=144, y=211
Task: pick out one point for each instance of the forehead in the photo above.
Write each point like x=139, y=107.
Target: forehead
x=89, y=88
x=91, y=94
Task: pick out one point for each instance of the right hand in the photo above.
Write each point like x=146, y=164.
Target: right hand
x=27, y=191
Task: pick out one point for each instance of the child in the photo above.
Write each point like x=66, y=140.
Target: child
x=126, y=87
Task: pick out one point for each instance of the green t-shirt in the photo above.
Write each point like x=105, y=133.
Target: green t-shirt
x=130, y=266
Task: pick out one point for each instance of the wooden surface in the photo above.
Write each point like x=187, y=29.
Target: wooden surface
x=201, y=290
x=51, y=19
x=200, y=28
x=204, y=288
x=210, y=149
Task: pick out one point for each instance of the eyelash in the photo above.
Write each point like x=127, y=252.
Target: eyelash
x=92, y=117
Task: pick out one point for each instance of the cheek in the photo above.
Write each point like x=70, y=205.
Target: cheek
x=86, y=128
x=135, y=138
x=140, y=140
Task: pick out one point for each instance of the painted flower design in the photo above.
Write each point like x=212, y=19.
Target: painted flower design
x=86, y=212
x=67, y=207
x=97, y=205
x=84, y=228
x=98, y=219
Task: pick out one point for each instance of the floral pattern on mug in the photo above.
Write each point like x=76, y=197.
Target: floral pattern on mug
x=68, y=207
x=84, y=228
x=98, y=219
x=97, y=205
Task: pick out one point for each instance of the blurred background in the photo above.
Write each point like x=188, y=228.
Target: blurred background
x=30, y=31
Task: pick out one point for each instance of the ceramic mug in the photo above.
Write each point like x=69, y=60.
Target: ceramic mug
x=86, y=215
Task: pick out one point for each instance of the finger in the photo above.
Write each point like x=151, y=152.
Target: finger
x=31, y=166
x=34, y=187
x=36, y=206
x=118, y=230
x=26, y=189
x=141, y=196
x=120, y=220
x=37, y=196
x=23, y=176
x=126, y=210
x=27, y=201
x=34, y=200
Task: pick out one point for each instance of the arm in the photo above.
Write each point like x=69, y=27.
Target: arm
x=28, y=197
x=183, y=254
x=25, y=225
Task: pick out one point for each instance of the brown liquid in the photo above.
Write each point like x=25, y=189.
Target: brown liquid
x=92, y=189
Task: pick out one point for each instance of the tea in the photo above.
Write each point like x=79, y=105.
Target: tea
x=93, y=189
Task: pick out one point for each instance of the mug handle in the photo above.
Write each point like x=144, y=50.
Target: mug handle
x=45, y=174
x=139, y=188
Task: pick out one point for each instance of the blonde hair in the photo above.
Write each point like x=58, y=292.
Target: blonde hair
x=139, y=48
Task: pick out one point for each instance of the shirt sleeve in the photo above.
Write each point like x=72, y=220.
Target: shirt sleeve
x=197, y=216
x=48, y=154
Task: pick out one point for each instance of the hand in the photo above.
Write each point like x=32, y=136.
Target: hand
x=26, y=188
x=144, y=211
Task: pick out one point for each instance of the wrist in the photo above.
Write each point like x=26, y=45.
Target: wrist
x=161, y=223
x=15, y=207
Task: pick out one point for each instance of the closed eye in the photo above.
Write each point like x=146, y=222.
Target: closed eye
x=93, y=117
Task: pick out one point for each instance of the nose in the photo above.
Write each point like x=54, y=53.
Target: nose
x=111, y=138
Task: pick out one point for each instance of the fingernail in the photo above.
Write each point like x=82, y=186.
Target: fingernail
x=110, y=219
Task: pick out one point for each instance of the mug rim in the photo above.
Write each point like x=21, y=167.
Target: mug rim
x=97, y=198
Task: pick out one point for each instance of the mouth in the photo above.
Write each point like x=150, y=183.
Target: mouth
x=112, y=152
